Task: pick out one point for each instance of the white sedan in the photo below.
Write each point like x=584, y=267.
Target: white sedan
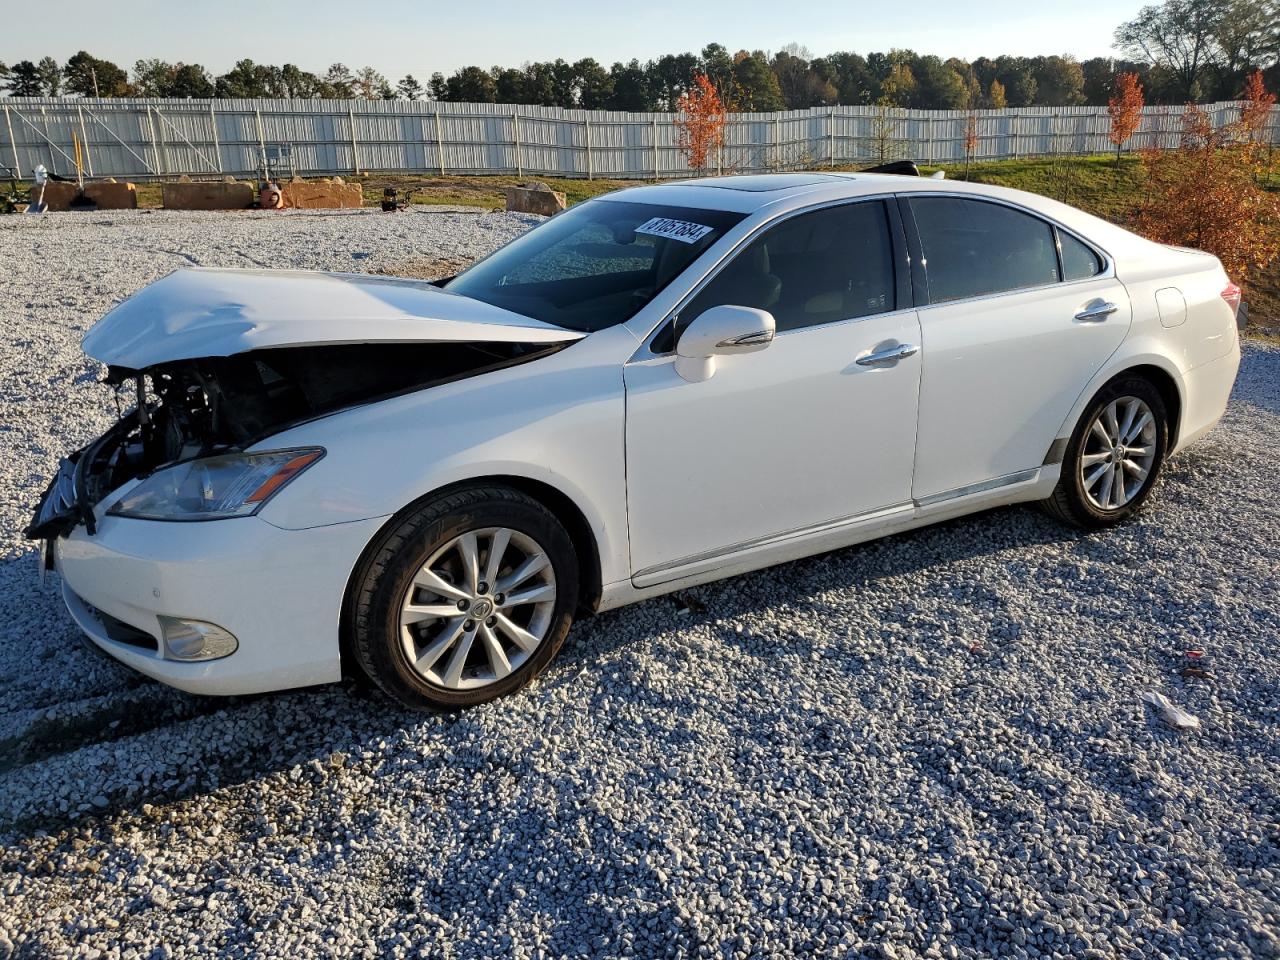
x=658, y=388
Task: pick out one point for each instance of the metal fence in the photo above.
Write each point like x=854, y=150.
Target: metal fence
x=155, y=138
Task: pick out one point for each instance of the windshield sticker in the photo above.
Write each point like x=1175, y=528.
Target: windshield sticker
x=681, y=230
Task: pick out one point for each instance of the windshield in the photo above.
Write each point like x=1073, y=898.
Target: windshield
x=595, y=265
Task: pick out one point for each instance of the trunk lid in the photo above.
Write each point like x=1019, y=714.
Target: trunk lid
x=203, y=312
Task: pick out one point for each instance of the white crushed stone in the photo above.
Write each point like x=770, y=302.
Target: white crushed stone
x=933, y=745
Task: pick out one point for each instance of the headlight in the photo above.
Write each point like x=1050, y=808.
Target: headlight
x=215, y=488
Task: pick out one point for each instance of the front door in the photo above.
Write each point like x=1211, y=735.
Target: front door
x=798, y=436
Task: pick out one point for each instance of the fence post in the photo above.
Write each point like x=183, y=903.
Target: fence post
x=53, y=160
x=586, y=131
x=155, y=150
x=84, y=139
x=831, y=139
x=777, y=144
x=164, y=142
x=262, y=140
x=439, y=143
x=355, y=148
x=13, y=143
x=213, y=128
x=1013, y=128
x=515, y=130
x=655, y=148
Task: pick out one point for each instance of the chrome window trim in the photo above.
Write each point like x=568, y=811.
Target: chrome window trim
x=646, y=352
x=1108, y=271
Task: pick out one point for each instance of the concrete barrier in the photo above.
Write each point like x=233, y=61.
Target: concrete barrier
x=57, y=195
x=322, y=195
x=207, y=196
x=109, y=195
x=535, y=198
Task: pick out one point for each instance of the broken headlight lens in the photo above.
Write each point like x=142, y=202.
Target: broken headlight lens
x=215, y=488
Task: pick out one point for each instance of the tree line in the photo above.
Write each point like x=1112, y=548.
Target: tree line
x=1181, y=50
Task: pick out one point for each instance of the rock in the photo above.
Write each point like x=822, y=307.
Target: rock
x=535, y=198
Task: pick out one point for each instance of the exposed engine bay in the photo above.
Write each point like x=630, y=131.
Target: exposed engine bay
x=189, y=409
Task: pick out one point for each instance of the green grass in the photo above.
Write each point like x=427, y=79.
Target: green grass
x=483, y=192
x=1097, y=184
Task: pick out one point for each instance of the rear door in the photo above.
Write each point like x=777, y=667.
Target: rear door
x=1018, y=316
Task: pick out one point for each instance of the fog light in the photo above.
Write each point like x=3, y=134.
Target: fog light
x=195, y=640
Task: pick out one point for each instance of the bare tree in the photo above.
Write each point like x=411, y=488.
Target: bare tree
x=1178, y=35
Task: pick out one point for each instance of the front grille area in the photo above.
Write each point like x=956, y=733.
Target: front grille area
x=119, y=631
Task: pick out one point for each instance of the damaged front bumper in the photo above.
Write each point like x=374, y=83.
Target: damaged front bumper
x=278, y=592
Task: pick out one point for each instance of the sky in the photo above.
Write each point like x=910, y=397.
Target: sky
x=399, y=36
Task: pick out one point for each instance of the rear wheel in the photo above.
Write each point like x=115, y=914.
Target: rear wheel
x=467, y=599
x=1114, y=456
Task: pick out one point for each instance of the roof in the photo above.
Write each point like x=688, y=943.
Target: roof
x=770, y=194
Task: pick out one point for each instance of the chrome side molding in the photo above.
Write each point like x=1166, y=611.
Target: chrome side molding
x=1022, y=476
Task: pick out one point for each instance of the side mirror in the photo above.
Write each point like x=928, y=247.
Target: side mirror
x=721, y=331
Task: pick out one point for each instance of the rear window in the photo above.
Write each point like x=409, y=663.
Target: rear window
x=594, y=265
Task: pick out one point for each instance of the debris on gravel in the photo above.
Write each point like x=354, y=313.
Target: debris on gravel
x=931, y=745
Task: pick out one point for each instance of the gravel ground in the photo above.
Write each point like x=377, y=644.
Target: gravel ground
x=931, y=745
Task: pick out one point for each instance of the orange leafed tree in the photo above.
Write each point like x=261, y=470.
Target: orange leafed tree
x=1257, y=106
x=970, y=140
x=1125, y=109
x=700, y=124
x=1206, y=194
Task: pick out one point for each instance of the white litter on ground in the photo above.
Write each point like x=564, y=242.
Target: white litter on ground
x=1170, y=713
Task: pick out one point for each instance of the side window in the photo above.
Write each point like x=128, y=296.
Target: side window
x=1078, y=261
x=973, y=248
x=832, y=264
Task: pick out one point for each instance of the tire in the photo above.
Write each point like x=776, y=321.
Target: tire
x=1097, y=505
x=415, y=593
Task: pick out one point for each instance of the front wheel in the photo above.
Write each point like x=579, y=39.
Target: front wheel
x=1114, y=456
x=467, y=599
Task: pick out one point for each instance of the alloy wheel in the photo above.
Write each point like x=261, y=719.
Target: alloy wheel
x=1118, y=453
x=478, y=608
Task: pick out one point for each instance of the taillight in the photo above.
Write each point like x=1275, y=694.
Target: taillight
x=1231, y=294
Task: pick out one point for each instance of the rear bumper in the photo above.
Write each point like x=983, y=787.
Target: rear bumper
x=1207, y=389
x=279, y=592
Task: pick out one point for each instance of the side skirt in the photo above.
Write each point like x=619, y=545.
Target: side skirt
x=1021, y=487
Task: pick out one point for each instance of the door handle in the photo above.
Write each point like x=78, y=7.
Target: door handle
x=887, y=355
x=1096, y=311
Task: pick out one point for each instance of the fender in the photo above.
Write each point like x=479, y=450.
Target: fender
x=556, y=422
x=1139, y=351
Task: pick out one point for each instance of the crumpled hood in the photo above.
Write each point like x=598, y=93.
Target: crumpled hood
x=218, y=313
